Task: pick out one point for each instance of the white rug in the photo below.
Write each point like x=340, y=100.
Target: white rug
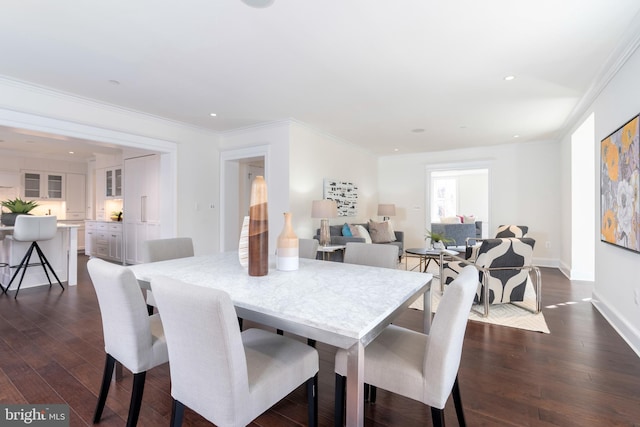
x=499, y=314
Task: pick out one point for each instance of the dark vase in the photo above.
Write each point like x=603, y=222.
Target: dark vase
x=9, y=218
x=258, y=229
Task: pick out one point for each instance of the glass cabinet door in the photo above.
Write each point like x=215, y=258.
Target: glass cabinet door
x=32, y=185
x=109, y=189
x=118, y=183
x=54, y=186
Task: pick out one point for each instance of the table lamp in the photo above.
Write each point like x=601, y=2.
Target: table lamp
x=385, y=210
x=324, y=209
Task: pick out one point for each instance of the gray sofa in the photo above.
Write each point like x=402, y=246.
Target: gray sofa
x=338, y=239
x=458, y=232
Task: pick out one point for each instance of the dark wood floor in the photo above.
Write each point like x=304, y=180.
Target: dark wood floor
x=582, y=374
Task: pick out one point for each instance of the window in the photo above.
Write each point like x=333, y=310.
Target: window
x=445, y=197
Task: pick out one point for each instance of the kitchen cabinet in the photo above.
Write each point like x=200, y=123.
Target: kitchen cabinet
x=141, y=204
x=75, y=196
x=113, y=182
x=43, y=185
x=103, y=239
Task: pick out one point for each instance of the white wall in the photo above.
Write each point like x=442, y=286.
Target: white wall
x=617, y=271
x=316, y=156
x=523, y=184
x=195, y=165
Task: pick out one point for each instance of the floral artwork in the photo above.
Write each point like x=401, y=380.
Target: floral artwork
x=619, y=187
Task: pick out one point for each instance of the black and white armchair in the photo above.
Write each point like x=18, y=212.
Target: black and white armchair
x=504, y=269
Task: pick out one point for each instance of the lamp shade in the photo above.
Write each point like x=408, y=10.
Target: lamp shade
x=324, y=209
x=388, y=209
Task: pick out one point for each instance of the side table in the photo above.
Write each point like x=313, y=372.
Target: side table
x=329, y=249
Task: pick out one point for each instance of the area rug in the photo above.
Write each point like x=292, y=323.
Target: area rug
x=499, y=314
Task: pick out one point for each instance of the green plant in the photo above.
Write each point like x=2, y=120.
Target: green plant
x=437, y=237
x=18, y=205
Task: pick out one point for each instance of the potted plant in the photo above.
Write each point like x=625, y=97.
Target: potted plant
x=16, y=207
x=439, y=240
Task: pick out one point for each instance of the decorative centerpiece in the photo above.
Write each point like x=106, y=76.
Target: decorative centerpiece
x=258, y=229
x=16, y=207
x=438, y=240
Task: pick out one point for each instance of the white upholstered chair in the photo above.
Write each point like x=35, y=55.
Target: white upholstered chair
x=162, y=250
x=308, y=248
x=227, y=376
x=418, y=366
x=131, y=336
x=385, y=256
x=34, y=229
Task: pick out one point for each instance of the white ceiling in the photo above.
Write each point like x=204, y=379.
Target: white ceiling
x=366, y=71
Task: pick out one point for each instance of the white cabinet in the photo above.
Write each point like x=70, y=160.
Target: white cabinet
x=43, y=185
x=141, y=204
x=113, y=182
x=103, y=239
x=76, y=198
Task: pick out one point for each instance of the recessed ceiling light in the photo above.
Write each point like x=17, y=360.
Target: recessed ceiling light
x=114, y=82
x=71, y=152
x=213, y=114
x=419, y=130
x=396, y=149
x=258, y=3
x=463, y=127
x=516, y=136
x=509, y=78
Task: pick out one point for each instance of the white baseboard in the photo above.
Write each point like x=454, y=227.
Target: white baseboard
x=546, y=262
x=627, y=331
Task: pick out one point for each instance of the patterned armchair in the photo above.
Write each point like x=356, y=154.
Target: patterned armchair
x=504, y=231
x=504, y=267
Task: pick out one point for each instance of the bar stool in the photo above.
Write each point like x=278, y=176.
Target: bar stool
x=34, y=229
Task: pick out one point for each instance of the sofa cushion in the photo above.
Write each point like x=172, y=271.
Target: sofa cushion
x=381, y=232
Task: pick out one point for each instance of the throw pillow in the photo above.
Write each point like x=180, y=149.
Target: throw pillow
x=362, y=232
x=354, y=230
x=381, y=232
x=346, y=231
x=449, y=220
x=469, y=219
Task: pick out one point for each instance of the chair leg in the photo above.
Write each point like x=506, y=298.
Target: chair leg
x=24, y=263
x=457, y=401
x=279, y=331
x=177, y=413
x=341, y=383
x=312, y=400
x=240, y=323
x=136, y=398
x=150, y=309
x=437, y=415
x=104, y=388
x=45, y=261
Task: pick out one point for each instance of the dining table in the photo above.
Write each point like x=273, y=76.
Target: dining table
x=340, y=304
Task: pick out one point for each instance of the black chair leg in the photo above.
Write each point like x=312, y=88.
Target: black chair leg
x=177, y=413
x=45, y=261
x=312, y=400
x=279, y=331
x=437, y=415
x=341, y=383
x=240, y=322
x=457, y=401
x=150, y=309
x=136, y=398
x=22, y=266
x=109, y=364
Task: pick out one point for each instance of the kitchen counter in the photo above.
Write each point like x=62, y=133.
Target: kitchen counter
x=61, y=251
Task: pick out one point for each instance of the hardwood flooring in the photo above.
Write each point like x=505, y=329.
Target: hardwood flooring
x=582, y=374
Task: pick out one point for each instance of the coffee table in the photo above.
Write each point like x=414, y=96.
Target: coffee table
x=426, y=255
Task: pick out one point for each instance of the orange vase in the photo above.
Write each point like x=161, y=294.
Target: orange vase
x=287, y=255
x=258, y=229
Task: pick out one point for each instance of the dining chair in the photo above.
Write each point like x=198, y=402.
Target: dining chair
x=415, y=365
x=227, y=376
x=373, y=255
x=162, y=250
x=131, y=336
x=308, y=248
x=33, y=229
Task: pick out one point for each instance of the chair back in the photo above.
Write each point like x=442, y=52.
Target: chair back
x=208, y=364
x=374, y=255
x=30, y=228
x=125, y=321
x=506, y=231
x=505, y=284
x=308, y=248
x=164, y=249
x=444, y=350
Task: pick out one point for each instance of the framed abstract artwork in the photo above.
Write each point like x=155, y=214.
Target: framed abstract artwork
x=619, y=187
x=345, y=195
